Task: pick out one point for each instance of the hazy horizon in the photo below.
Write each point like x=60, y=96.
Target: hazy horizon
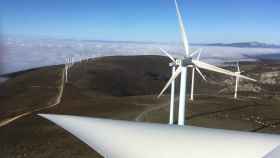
x=16, y=36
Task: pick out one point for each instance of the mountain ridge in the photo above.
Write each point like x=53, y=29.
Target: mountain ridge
x=253, y=44
x=248, y=44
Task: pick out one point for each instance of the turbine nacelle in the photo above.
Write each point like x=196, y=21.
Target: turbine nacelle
x=182, y=62
x=187, y=61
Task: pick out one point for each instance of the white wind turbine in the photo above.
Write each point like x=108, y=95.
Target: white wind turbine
x=71, y=61
x=238, y=72
x=186, y=62
x=68, y=65
x=172, y=93
x=195, y=68
x=66, y=69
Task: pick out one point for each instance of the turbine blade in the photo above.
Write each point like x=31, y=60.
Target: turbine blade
x=200, y=73
x=167, y=54
x=182, y=29
x=173, y=77
x=195, y=52
x=124, y=139
x=198, y=52
x=198, y=56
x=209, y=67
x=247, y=78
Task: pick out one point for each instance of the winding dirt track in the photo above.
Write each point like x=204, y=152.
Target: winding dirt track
x=142, y=115
x=49, y=105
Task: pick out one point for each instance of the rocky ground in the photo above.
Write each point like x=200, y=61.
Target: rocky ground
x=125, y=88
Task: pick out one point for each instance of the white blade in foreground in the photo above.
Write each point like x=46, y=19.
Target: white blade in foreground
x=124, y=139
x=173, y=77
x=209, y=67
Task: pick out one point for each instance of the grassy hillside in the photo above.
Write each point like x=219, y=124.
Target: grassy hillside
x=125, y=88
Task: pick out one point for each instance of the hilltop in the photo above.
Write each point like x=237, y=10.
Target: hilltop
x=125, y=87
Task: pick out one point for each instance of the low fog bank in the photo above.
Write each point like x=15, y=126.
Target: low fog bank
x=22, y=54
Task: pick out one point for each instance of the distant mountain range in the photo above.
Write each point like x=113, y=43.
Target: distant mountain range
x=254, y=44
x=245, y=45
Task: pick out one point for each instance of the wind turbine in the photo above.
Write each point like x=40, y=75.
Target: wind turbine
x=71, y=61
x=194, y=68
x=66, y=70
x=67, y=64
x=238, y=72
x=183, y=65
x=173, y=69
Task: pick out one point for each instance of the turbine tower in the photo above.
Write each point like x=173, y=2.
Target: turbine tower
x=183, y=65
x=182, y=98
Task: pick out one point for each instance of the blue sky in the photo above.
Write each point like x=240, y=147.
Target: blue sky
x=144, y=20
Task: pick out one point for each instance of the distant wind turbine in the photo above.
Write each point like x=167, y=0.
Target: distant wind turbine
x=71, y=61
x=237, y=79
x=67, y=64
x=194, y=68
